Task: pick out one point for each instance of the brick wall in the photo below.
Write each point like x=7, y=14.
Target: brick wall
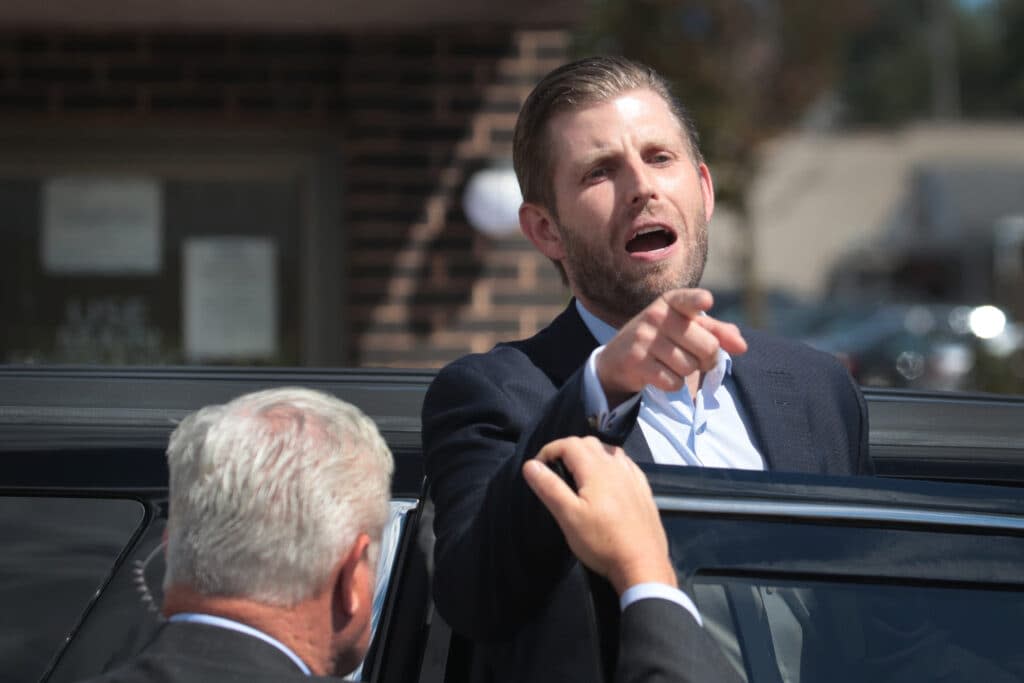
x=425, y=287
x=418, y=113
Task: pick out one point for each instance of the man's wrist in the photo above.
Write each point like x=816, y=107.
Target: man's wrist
x=659, y=591
x=602, y=418
x=614, y=394
x=641, y=571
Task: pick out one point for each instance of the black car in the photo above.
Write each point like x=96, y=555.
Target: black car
x=915, y=574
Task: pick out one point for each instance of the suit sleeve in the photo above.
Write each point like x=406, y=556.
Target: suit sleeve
x=660, y=642
x=837, y=412
x=498, y=553
x=854, y=412
x=864, y=464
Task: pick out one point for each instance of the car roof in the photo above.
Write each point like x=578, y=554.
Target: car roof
x=78, y=410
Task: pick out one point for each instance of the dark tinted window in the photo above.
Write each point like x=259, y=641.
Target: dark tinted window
x=57, y=554
x=789, y=631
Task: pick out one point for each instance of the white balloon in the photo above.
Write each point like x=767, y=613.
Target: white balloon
x=491, y=201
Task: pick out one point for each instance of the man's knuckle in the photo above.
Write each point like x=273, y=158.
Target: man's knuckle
x=638, y=351
x=645, y=335
x=648, y=318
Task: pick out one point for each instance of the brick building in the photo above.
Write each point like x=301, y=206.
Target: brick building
x=340, y=147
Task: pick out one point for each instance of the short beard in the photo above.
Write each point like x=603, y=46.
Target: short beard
x=624, y=297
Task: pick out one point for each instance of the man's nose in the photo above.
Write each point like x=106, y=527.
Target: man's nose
x=641, y=189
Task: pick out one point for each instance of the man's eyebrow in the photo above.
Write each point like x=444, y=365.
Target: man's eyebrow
x=665, y=142
x=596, y=156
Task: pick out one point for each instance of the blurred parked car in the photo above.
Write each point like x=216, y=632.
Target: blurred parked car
x=906, y=345
x=922, y=346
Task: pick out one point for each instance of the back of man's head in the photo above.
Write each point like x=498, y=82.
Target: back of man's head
x=573, y=86
x=268, y=491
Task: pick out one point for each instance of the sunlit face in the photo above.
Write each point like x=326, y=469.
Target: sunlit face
x=631, y=204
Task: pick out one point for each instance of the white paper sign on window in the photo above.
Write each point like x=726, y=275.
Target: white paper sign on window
x=102, y=226
x=230, y=298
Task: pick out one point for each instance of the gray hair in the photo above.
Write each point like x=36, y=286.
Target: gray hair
x=269, y=491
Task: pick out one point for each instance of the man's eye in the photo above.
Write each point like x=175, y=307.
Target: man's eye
x=661, y=158
x=596, y=173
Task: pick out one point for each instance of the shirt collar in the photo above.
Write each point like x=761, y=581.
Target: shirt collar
x=603, y=333
x=231, y=624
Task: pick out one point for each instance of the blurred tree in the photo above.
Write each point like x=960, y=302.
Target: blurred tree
x=1008, y=31
x=906, y=59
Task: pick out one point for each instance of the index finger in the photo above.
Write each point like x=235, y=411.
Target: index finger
x=554, y=493
x=582, y=455
x=729, y=336
x=689, y=302
x=554, y=450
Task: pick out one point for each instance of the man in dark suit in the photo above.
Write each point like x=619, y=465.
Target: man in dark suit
x=611, y=523
x=277, y=504
x=617, y=195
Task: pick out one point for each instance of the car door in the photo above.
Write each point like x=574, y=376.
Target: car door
x=804, y=578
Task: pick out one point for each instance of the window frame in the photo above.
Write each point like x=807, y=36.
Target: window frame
x=310, y=157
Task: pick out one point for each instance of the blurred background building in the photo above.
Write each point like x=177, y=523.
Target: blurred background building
x=263, y=182
x=323, y=184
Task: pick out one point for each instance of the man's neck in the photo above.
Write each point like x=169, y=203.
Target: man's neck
x=298, y=628
x=602, y=314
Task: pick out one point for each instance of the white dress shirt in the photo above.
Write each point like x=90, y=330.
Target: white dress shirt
x=710, y=431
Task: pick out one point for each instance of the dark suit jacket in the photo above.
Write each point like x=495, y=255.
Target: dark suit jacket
x=200, y=653
x=660, y=642
x=503, y=573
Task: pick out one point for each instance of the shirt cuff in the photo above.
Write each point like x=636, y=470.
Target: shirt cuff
x=595, y=403
x=644, y=591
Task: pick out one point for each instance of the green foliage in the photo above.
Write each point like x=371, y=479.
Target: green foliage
x=744, y=69
x=749, y=68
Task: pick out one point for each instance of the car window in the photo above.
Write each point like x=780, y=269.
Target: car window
x=811, y=630
x=58, y=553
x=389, y=545
x=808, y=578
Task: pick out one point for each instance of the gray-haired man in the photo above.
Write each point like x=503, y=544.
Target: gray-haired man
x=277, y=503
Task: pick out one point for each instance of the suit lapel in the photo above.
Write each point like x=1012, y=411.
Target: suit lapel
x=636, y=445
x=561, y=349
x=776, y=411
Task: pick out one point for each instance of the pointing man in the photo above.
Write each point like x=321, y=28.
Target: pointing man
x=617, y=195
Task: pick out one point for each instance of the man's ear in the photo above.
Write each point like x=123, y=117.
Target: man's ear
x=707, y=190
x=539, y=227
x=349, y=591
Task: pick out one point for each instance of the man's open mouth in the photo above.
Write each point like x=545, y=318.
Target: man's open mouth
x=650, y=239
